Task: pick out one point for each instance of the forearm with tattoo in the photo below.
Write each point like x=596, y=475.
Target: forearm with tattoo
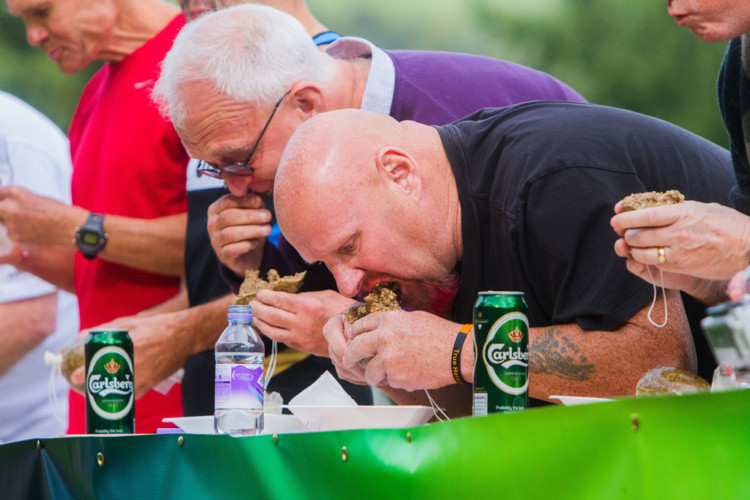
x=553, y=353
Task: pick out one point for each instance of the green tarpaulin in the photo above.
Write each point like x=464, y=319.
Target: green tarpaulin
x=695, y=446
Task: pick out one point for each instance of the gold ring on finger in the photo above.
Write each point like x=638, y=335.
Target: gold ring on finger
x=660, y=255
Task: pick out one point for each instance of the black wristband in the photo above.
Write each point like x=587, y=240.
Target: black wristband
x=456, y=354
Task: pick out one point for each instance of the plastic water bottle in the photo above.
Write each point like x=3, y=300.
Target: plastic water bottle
x=238, y=407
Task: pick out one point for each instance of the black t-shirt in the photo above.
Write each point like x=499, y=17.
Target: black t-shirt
x=734, y=101
x=537, y=183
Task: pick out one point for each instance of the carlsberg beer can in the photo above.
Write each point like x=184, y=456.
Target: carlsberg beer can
x=501, y=344
x=110, y=390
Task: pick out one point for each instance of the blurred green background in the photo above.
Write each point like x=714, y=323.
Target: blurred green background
x=623, y=53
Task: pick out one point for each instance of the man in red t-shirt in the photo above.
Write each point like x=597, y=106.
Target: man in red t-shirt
x=120, y=247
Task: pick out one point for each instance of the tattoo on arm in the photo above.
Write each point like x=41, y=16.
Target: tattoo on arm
x=553, y=353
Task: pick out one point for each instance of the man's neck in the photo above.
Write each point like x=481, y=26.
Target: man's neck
x=138, y=22
x=358, y=70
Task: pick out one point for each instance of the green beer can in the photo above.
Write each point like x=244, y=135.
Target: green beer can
x=110, y=388
x=501, y=344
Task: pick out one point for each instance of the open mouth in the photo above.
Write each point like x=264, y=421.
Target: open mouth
x=54, y=54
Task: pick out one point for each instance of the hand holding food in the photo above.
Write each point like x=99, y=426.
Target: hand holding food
x=297, y=320
x=651, y=199
x=697, y=246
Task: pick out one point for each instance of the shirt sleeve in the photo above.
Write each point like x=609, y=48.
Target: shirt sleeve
x=566, y=248
x=16, y=285
x=38, y=171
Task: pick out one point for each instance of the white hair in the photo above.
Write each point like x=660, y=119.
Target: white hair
x=250, y=53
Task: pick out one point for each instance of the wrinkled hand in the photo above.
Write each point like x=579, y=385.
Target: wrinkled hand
x=37, y=220
x=334, y=332
x=238, y=227
x=701, y=242
x=297, y=320
x=157, y=350
x=408, y=350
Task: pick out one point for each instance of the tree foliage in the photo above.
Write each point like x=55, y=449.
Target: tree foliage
x=624, y=53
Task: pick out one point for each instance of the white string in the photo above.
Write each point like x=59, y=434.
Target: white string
x=435, y=408
x=271, y=363
x=653, y=302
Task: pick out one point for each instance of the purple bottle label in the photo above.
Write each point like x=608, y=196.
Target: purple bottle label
x=239, y=387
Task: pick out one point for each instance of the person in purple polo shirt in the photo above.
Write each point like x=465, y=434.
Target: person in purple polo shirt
x=236, y=108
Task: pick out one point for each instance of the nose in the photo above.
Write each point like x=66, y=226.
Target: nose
x=35, y=35
x=348, y=279
x=237, y=185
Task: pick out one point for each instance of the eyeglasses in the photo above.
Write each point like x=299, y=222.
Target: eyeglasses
x=242, y=169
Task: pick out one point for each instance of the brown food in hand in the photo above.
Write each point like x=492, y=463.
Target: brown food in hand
x=668, y=380
x=73, y=357
x=651, y=199
x=382, y=297
x=253, y=284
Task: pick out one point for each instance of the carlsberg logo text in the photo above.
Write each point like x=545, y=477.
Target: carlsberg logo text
x=496, y=355
x=105, y=387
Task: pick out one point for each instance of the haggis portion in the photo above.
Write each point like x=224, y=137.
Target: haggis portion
x=382, y=297
x=253, y=284
x=651, y=199
x=670, y=380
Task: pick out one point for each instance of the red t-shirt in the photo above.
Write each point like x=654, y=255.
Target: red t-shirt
x=128, y=161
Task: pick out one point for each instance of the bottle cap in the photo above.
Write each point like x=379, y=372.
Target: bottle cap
x=240, y=311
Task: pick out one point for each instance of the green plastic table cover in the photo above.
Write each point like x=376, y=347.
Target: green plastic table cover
x=691, y=446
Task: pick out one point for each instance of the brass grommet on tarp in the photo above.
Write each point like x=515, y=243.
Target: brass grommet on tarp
x=100, y=459
x=344, y=454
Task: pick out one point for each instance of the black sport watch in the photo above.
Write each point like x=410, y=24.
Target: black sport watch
x=91, y=238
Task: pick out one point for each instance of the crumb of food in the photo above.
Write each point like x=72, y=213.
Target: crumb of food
x=253, y=284
x=383, y=297
x=669, y=380
x=651, y=199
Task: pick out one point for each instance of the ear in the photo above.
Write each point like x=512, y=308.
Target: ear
x=398, y=167
x=307, y=99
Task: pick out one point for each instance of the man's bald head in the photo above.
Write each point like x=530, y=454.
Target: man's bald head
x=334, y=148
x=371, y=197
x=334, y=152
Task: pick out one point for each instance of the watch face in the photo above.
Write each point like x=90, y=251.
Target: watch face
x=89, y=238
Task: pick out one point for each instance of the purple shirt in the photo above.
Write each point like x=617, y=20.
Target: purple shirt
x=433, y=88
